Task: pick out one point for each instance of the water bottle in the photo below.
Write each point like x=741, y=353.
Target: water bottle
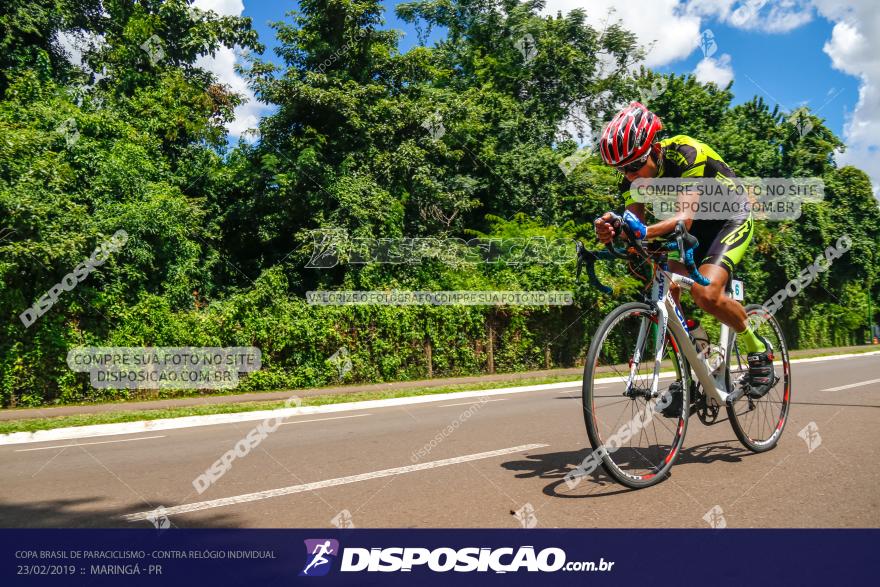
x=699, y=336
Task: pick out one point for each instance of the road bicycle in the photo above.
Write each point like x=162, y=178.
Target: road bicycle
x=644, y=377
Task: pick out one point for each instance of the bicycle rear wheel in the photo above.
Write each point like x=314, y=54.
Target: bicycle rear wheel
x=758, y=423
x=635, y=441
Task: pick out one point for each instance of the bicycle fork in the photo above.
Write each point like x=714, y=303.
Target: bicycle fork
x=659, y=345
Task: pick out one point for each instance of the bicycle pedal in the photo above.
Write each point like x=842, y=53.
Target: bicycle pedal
x=736, y=394
x=764, y=389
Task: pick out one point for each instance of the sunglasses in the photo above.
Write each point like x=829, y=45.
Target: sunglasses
x=634, y=166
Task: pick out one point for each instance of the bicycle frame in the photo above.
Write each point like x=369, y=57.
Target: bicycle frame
x=661, y=318
x=715, y=386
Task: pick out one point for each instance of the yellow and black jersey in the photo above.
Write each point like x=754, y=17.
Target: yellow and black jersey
x=722, y=242
x=683, y=156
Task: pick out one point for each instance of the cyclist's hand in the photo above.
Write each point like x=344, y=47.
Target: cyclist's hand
x=604, y=229
x=637, y=226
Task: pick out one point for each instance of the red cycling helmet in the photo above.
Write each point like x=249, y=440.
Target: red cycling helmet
x=629, y=135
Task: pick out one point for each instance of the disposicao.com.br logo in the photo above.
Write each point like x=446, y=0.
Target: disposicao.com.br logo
x=320, y=554
x=441, y=560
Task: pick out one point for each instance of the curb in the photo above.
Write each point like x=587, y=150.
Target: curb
x=76, y=432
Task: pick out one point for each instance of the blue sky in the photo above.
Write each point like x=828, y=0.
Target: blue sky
x=788, y=68
x=817, y=53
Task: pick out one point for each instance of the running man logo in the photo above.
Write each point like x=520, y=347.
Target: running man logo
x=320, y=554
x=715, y=517
x=810, y=435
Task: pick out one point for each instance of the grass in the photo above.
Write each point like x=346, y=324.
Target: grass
x=113, y=417
x=33, y=424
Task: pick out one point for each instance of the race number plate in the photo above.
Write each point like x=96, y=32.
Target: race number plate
x=739, y=290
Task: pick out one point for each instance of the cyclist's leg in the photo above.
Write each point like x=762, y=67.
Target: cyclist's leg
x=722, y=246
x=706, y=233
x=727, y=249
x=724, y=253
x=711, y=298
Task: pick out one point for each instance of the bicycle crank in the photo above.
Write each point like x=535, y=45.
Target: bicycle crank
x=707, y=408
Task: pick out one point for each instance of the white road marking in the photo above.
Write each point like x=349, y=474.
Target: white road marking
x=322, y=419
x=851, y=385
x=248, y=497
x=193, y=421
x=836, y=357
x=88, y=443
x=479, y=401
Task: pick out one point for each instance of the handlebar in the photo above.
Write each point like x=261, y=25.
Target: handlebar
x=589, y=258
x=680, y=239
x=685, y=242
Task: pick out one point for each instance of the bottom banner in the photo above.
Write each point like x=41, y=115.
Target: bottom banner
x=435, y=557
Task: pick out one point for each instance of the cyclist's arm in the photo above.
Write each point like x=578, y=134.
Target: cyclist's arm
x=638, y=210
x=664, y=226
x=687, y=202
x=668, y=225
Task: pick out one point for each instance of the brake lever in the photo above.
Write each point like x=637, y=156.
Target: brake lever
x=588, y=259
x=615, y=252
x=617, y=224
x=686, y=243
x=579, y=248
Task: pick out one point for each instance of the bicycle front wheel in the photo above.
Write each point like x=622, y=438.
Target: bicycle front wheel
x=634, y=434
x=758, y=423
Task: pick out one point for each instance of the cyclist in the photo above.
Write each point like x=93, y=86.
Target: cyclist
x=628, y=144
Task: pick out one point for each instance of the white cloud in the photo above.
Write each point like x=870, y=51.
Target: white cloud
x=767, y=16
x=72, y=45
x=669, y=29
x=659, y=25
x=247, y=115
x=222, y=65
x=226, y=7
x=719, y=9
x=674, y=27
x=718, y=71
x=676, y=33
x=854, y=48
x=785, y=16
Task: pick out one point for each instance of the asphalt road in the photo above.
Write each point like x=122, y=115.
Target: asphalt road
x=378, y=467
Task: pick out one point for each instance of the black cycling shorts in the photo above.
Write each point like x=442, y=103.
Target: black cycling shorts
x=722, y=242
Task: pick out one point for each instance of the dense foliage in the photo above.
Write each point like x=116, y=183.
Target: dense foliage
x=463, y=139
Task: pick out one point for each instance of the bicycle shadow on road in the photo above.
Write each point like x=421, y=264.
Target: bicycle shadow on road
x=558, y=464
